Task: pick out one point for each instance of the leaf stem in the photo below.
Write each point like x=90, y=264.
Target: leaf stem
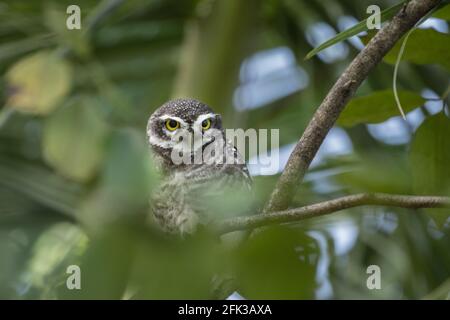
x=394, y=80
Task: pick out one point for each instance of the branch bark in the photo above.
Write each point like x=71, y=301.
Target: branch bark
x=331, y=206
x=339, y=95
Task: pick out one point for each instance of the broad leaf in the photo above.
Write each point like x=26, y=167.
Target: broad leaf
x=104, y=265
x=124, y=184
x=74, y=137
x=430, y=159
x=443, y=13
x=38, y=82
x=356, y=29
x=424, y=46
x=278, y=263
x=380, y=172
x=378, y=107
x=45, y=272
x=193, y=268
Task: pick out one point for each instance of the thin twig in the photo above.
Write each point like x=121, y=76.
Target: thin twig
x=332, y=206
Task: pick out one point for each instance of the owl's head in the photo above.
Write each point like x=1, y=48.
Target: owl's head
x=182, y=124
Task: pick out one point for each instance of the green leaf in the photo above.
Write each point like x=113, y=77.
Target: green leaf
x=38, y=82
x=430, y=159
x=359, y=27
x=129, y=150
x=179, y=269
x=424, y=46
x=378, y=172
x=74, y=138
x=443, y=13
x=57, y=248
x=16, y=244
x=105, y=266
x=278, y=263
x=378, y=107
x=125, y=181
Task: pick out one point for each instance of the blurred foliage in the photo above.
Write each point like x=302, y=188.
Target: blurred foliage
x=429, y=154
x=278, y=263
x=423, y=47
x=75, y=173
x=37, y=82
x=361, y=26
x=73, y=139
x=359, y=110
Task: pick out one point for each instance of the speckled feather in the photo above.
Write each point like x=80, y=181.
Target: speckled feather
x=191, y=194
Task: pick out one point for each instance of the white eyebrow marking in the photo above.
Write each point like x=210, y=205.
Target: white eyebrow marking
x=166, y=116
x=203, y=117
x=159, y=142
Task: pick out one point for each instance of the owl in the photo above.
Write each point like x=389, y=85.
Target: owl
x=204, y=177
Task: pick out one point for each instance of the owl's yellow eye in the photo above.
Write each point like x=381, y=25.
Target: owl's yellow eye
x=172, y=125
x=206, y=124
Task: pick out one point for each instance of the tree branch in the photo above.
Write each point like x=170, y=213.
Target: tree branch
x=339, y=95
x=331, y=206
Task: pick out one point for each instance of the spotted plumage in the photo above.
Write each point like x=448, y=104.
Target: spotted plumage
x=193, y=192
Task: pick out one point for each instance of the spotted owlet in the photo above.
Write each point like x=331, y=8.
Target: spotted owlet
x=203, y=175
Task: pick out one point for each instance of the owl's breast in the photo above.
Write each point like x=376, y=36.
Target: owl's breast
x=200, y=195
